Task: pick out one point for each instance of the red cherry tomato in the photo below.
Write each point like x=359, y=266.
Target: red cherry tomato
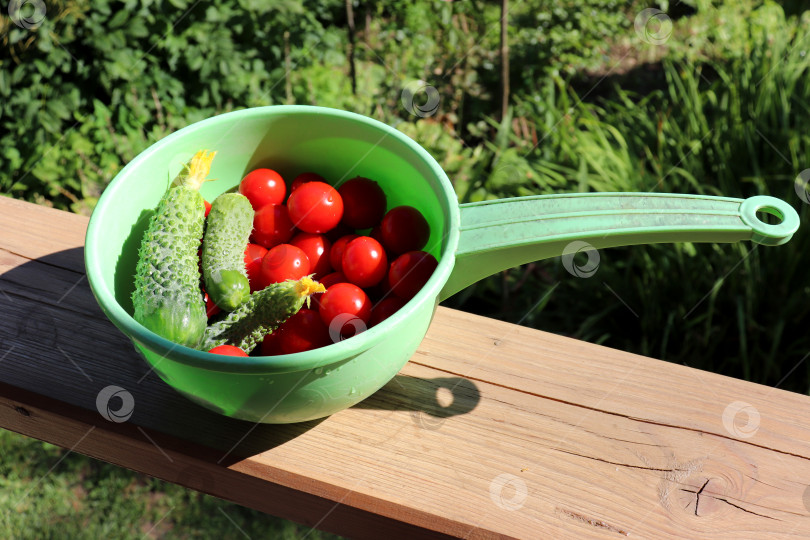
x=330, y=279
x=363, y=203
x=272, y=226
x=303, y=178
x=207, y=207
x=303, y=331
x=336, y=253
x=211, y=308
x=376, y=234
x=228, y=350
x=345, y=310
x=284, y=262
x=409, y=273
x=263, y=187
x=404, y=229
x=271, y=345
x=364, y=262
x=254, y=253
x=339, y=232
x=327, y=281
x=317, y=247
x=315, y=207
x=380, y=290
x=385, y=308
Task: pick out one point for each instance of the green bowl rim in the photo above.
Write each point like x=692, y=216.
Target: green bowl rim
x=284, y=363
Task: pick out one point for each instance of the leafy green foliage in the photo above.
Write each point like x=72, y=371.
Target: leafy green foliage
x=720, y=108
x=729, y=123
x=100, y=81
x=48, y=492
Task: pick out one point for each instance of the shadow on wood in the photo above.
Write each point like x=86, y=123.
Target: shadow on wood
x=441, y=397
x=55, y=340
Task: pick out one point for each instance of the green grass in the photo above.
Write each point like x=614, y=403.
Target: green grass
x=726, y=118
x=78, y=497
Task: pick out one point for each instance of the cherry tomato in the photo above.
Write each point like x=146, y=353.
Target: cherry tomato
x=345, y=310
x=207, y=207
x=303, y=331
x=327, y=281
x=339, y=232
x=272, y=226
x=254, y=253
x=336, y=253
x=409, y=273
x=284, y=262
x=228, y=350
x=364, y=262
x=363, y=203
x=385, y=308
x=376, y=234
x=317, y=247
x=315, y=207
x=303, y=178
x=271, y=345
x=404, y=229
x=379, y=291
x=211, y=308
x=330, y=279
x=263, y=187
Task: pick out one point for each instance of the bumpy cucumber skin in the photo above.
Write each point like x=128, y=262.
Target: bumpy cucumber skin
x=264, y=311
x=167, y=297
x=223, y=254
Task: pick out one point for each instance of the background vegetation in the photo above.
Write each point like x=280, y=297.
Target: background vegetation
x=710, y=98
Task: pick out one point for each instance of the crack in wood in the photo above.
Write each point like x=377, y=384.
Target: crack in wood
x=96, y=315
x=697, y=495
x=39, y=260
x=615, y=462
x=593, y=522
x=760, y=481
x=744, y=509
x=697, y=500
x=611, y=413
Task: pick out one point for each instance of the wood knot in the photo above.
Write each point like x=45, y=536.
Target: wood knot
x=707, y=488
x=22, y=410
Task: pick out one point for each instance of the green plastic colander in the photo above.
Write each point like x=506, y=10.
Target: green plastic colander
x=470, y=241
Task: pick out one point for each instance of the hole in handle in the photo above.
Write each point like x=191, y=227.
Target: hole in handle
x=772, y=220
x=770, y=215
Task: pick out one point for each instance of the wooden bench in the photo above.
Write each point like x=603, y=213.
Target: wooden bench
x=491, y=430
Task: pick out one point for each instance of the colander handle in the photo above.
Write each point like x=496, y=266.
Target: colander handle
x=500, y=234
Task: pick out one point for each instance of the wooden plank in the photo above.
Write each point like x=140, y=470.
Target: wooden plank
x=37, y=231
x=492, y=430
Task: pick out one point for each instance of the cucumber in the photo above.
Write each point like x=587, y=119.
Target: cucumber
x=167, y=298
x=223, y=253
x=264, y=311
